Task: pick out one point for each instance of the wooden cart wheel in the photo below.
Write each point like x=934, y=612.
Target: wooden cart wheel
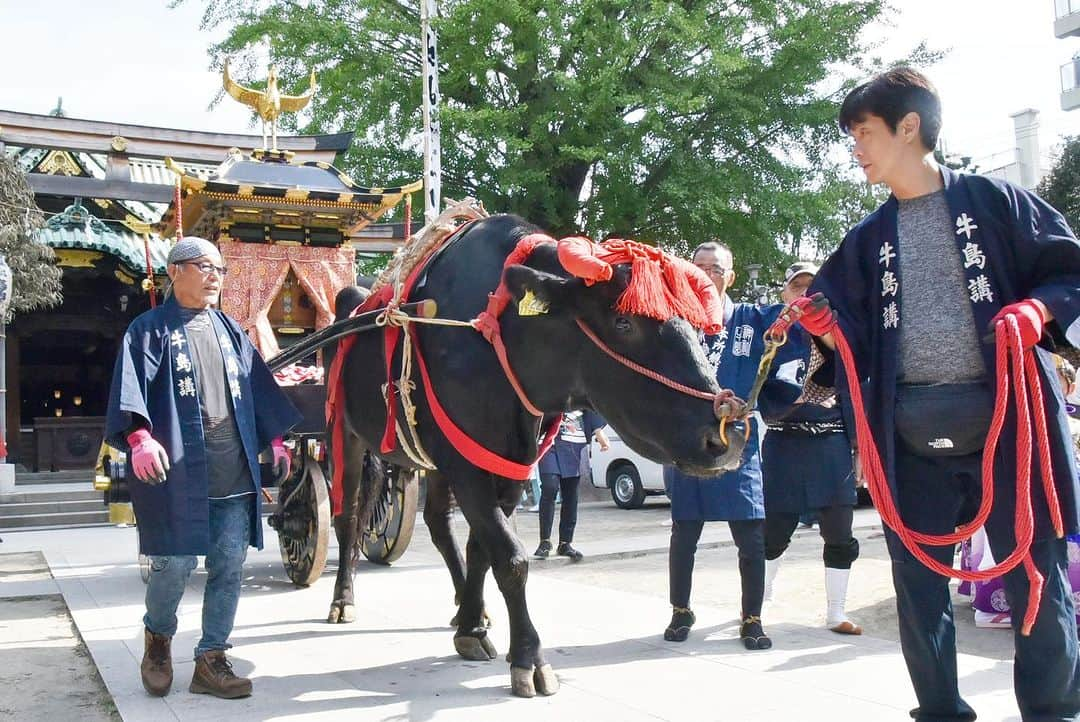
x=304, y=533
x=391, y=527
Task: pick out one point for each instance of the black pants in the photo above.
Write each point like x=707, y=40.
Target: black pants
x=834, y=523
x=550, y=485
x=749, y=536
x=934, y=495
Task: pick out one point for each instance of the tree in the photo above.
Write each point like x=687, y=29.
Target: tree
x=1061, y=187
x=35, y=277
x=670, y=122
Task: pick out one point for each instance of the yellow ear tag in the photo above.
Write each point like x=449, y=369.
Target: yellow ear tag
x=530, y=305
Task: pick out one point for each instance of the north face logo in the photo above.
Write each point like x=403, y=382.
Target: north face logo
x=941, y=443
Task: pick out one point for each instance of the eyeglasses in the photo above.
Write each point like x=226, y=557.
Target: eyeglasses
x=716, y=269
x=206, y=267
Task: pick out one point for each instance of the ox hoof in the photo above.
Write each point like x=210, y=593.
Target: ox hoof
x=341, y=613
x=546, y=682
x=521, y=682
x=476, y=649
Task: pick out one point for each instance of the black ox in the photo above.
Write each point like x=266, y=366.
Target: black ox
x=560, y=369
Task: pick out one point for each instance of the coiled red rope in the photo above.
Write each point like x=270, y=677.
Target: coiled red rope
x=1025, y=376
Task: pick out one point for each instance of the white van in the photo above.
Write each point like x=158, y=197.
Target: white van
x=630, y=476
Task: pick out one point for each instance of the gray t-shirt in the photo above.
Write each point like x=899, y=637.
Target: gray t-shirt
x=938, y=340
x=226, y=463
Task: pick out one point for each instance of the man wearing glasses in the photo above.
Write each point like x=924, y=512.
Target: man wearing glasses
x=735, y=496
x=193, y=403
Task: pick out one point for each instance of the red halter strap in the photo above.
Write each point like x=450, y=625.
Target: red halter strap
x=633, y=365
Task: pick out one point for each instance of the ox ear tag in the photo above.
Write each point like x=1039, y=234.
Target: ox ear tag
x=530, y=305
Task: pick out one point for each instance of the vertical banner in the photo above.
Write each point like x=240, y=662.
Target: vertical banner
x=432, y=149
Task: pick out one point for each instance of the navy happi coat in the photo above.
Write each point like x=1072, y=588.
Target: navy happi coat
x=1012, y=246
x=734, y=495
x=154, y=379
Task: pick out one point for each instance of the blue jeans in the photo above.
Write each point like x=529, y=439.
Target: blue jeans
x=230, y=535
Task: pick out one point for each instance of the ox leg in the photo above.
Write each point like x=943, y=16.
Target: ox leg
x=342, y=609
x=437, y=517
x=492, y=540
x=471, y=639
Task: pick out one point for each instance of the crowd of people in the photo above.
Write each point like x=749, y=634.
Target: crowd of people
x=912, y=291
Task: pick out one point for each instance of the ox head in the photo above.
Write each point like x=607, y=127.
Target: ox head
x=659, y=422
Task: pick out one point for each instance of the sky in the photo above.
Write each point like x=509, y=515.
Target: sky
x=141, y=62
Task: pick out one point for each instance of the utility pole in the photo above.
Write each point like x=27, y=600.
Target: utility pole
x=432, y=149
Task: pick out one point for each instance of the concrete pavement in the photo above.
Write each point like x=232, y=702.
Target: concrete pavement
x=397, y=661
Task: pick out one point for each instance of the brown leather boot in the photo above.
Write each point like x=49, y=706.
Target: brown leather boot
x=214, y=675
x=157, y=663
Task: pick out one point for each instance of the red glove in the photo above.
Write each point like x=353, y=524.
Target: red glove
x=1029, y=317
x=815, y=314
x=148, y=458
x=282, y=460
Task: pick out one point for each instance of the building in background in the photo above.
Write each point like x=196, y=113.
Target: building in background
x=1067, y=25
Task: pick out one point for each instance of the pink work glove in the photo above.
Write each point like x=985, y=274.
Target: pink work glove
x=282, y=460
x=1029, y=317
x=148, y=458
x=815, y=314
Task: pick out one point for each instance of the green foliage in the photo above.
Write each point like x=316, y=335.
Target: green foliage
x=1061, y=187
x=35, y=276
x=372, y=264
x=668, y=122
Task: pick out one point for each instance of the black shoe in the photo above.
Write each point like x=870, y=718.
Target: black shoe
x=565, y=550
x=543, y=550
x=679, y=627
x=752, y=634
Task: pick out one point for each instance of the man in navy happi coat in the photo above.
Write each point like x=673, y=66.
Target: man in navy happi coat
x=915, y=287
x=193, y=403
x=735, y=496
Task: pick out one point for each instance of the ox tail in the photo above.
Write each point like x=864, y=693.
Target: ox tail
x=373, y=481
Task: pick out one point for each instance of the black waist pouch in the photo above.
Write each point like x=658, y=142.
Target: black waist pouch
x=945, y=419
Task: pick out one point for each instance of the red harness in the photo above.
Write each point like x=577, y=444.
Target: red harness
x=472, y=450
x=658, y=300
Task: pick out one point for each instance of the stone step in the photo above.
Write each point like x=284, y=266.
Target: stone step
x=51, y=506
x=29, y=478
x=61, y=519
x=48, y=493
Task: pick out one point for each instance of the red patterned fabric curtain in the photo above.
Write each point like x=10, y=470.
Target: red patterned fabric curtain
x=257, y=272
x=322, y=272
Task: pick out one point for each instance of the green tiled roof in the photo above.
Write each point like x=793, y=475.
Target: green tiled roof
x=76, y=228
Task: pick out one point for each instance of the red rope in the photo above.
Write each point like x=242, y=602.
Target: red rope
x=683, y=388
x=408, y=217
x=1024, y=374
x=179, y=212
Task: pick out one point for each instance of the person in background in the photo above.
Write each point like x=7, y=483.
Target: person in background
x=192, y=403
x=560, y=473
x=806, y=464
x=735, y=496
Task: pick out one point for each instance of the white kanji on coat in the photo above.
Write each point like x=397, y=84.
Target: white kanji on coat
x=186, y=386
x=231, y=366
x=177, y=339
x=183, y=363
x=744, y=336
x=224, y=340
x=886, y=254
x=890, y=316
x=889, y=284
x=965, y=224
x=234, y=387
x=973, y=256
x=979, y=289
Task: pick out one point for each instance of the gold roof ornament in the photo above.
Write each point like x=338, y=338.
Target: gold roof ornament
x=269, y=104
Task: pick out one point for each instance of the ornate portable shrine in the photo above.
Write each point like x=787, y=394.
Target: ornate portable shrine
x=283, y=230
